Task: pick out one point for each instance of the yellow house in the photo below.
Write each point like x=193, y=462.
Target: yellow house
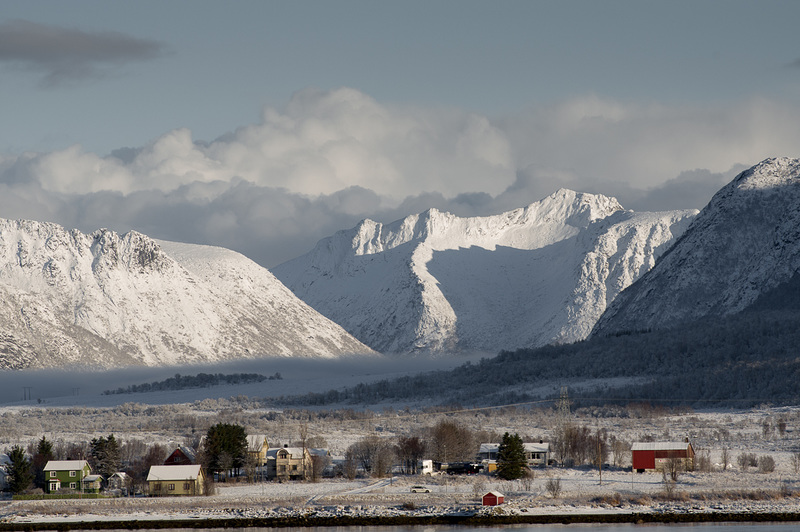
x=175, y=480
x=257, y=447
x=288, y=463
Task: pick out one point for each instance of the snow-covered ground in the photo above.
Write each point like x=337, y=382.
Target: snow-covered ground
x=767, y=431
x=582, y=492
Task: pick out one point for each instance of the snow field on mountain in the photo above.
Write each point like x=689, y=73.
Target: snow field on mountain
x=104, y=301
x=437, y=283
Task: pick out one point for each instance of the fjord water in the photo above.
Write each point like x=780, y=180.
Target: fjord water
x=688, y=527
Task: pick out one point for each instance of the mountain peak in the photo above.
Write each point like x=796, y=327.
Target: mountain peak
x=437, y=282
x=772, y=172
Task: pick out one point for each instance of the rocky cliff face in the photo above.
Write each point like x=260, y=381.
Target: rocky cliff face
x=69, y=299
x=438, y=283
x=743, y=244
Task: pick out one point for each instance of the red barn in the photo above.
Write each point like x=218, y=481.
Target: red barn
x=493, y=498
x=181, y=456
x=654, y=455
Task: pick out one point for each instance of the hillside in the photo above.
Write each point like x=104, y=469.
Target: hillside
x=102, y=300
x=736, y=361
x=742, y=245
x=436, y=283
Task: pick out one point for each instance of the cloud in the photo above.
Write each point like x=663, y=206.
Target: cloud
x=331, y=158
x=64, y=55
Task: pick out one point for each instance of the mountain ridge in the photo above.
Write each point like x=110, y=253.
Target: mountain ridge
x=408, y=286
x=103, y=300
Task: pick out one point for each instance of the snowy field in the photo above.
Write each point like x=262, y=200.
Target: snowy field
x=582, y=492
x=174, y=418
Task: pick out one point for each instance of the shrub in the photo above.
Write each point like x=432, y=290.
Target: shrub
x=746, y=460
x=795, y=461
x=553, y=487
x=766, y=464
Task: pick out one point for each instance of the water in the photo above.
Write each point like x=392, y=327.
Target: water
x=683, y=527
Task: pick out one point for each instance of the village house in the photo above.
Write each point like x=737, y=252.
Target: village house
x=257, y=448
x=536, y=454
x=119, y=482
x=66, y=474
x=181, y=456
x=175, y=480
x=655, y=456
x=5, y=462
x=92, y=483
x=288, y=463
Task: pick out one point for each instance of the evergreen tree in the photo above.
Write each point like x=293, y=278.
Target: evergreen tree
x=20, y=474
x=511, y=463
x=105, y=456
x=44, y=453
x=225, y=447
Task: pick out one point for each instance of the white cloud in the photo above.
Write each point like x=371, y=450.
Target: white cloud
x=331, y=158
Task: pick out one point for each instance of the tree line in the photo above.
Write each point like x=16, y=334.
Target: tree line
x=741, y=361
x=201, y=380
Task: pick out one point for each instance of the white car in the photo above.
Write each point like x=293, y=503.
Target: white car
x=420, y=489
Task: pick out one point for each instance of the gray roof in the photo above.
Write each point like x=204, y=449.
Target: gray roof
x=660, y=446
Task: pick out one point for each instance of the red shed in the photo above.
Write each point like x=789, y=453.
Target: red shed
x=653, y=455
x=493, y=498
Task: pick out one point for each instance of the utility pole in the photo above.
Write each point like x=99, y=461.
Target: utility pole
x=562, y=421
x=599, y=458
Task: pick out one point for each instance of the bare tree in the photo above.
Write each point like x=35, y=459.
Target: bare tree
x=350, y=463
x=303, y=431
x=373, y=454
x=409, y=450
x=673, y=467
x=794, y=459
x=451, y=442
x=318, y=464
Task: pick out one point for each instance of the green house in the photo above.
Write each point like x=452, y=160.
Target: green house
x=66, y=474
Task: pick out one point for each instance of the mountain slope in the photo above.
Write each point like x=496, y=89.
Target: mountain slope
x=435, y=282
x=105, y=300
x=743, y=244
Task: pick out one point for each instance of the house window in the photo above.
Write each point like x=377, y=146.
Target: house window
x=73, y=473
x=52, y=474
x=53, y=486
x=171, y=487
x=72, y=485
x=187, y=486
x=294, y=467
x=282, y=469
x=157, y=486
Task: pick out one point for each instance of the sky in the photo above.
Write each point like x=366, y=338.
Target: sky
x=264, y=126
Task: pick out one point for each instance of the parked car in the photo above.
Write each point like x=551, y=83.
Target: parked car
x=420, y=489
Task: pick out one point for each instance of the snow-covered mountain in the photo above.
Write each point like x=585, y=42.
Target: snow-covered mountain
x=69, y=299
x=743, y=244
x=435, y=282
